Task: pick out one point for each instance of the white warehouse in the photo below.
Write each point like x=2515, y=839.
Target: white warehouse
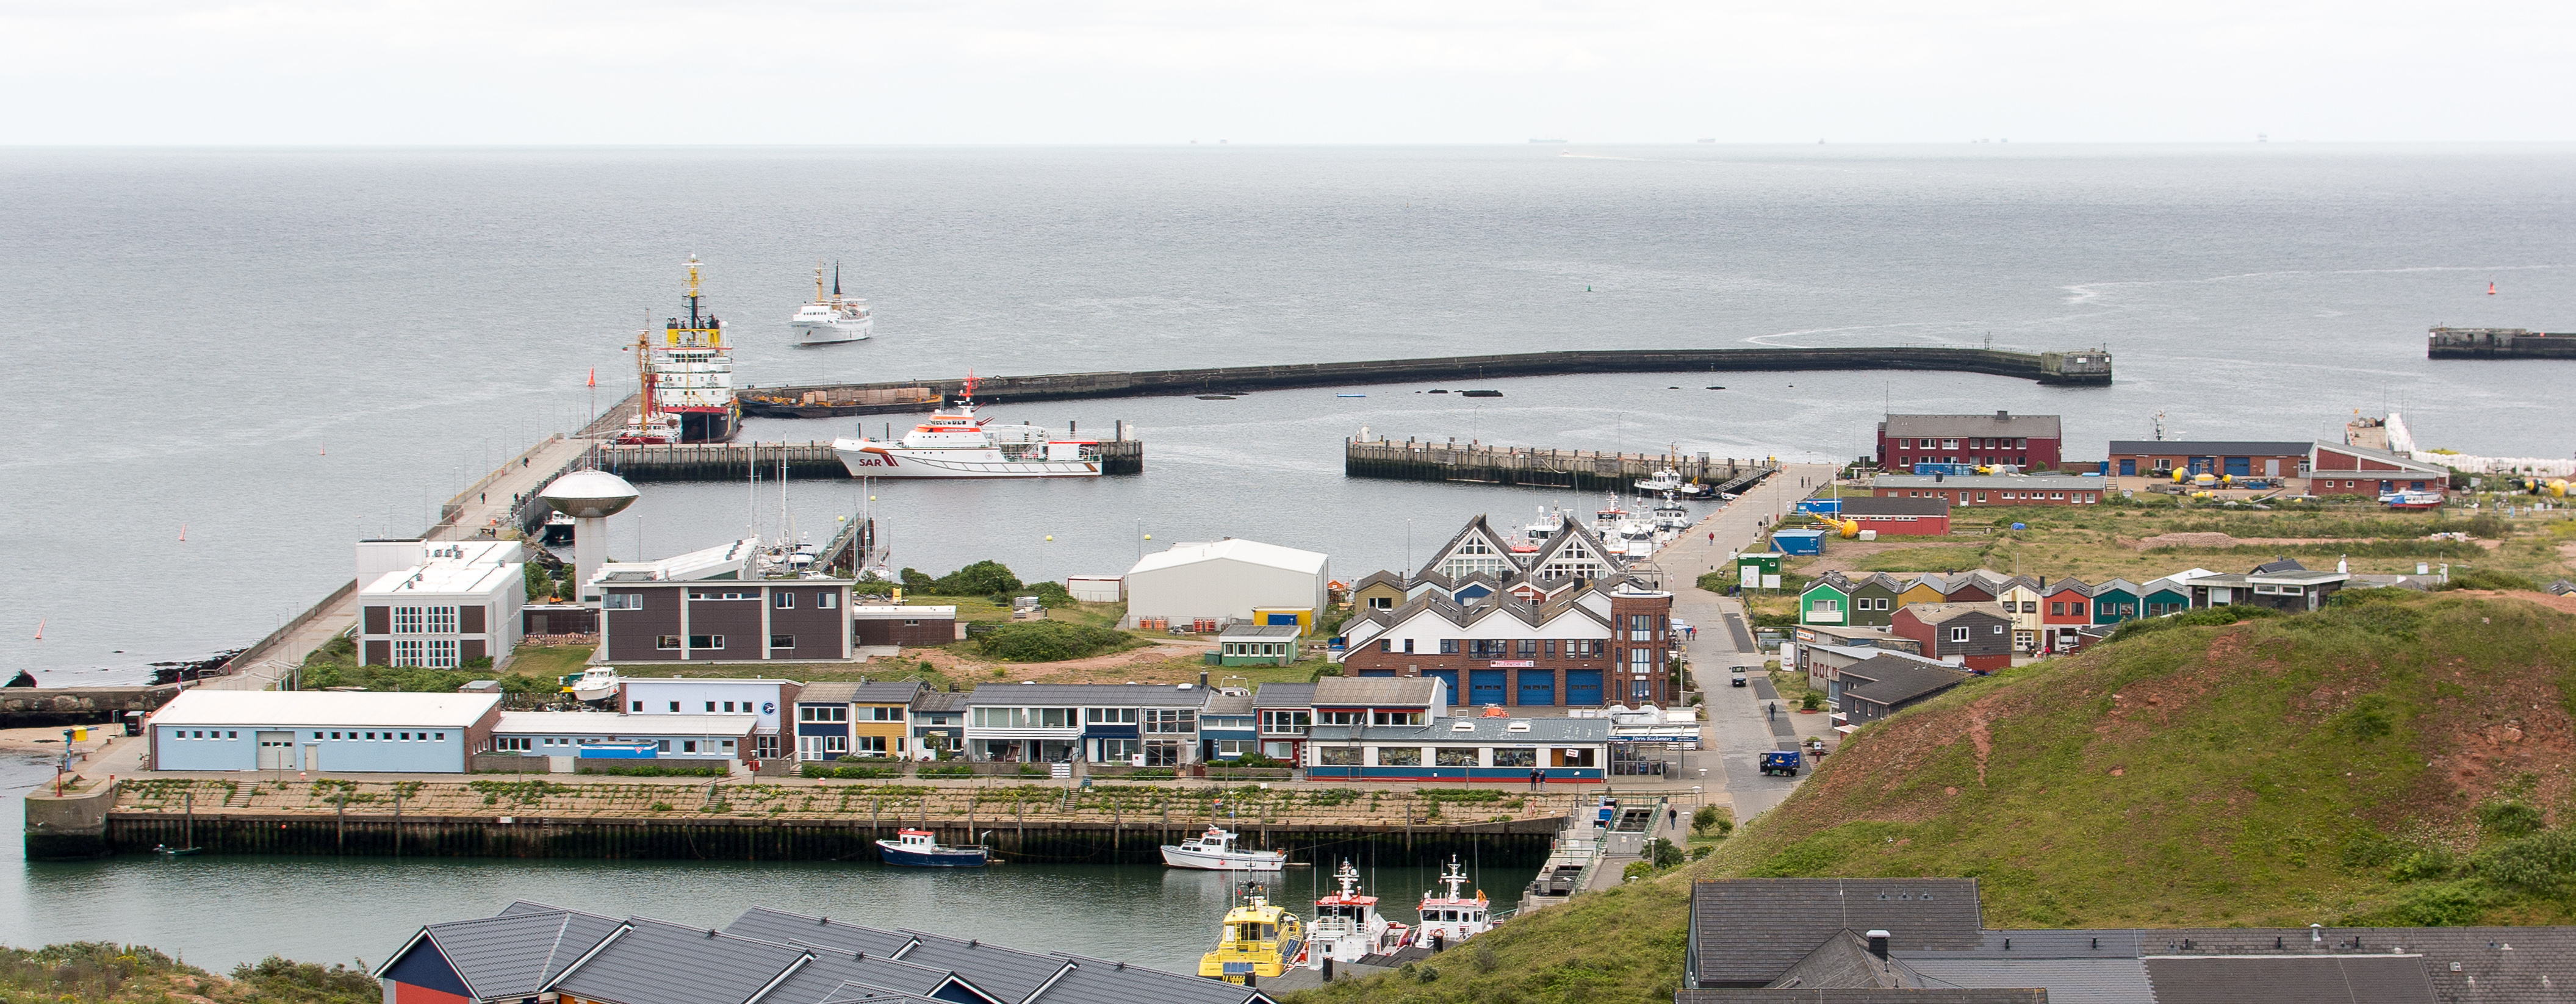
x=1228, y=578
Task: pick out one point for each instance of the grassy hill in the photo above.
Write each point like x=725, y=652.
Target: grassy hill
x=2399, y=758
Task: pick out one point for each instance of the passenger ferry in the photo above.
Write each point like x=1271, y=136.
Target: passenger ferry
x=1258, y=941
x=1215, y=851
x=1348, y=926
x=962, y=444
x=833, y=319
x=1449, y=918
x=921, y=849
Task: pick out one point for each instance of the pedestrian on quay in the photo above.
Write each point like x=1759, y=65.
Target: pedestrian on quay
x=1536, y=775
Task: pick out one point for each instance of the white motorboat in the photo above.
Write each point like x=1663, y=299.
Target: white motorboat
x=1449, y=918
x=597, y=683
x=962, y=444
x=1347, y=925
x=1666, y=480
x=1215, y=851
x=834, y=318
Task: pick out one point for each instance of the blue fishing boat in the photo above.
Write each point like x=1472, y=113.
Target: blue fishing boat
x=921, y=849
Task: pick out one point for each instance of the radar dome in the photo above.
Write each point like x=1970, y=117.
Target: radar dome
x=589, y=494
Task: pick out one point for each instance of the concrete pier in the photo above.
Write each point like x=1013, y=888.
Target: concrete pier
x=1582, y=470
x=2091, y=368
x=736, y=461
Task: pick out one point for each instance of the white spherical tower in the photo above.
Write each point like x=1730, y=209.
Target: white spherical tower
x=589, y=497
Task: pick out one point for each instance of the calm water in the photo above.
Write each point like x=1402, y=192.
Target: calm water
x=279, y=351
x=334, y=909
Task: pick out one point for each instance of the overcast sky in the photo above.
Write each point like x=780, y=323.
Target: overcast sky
x=1288, y=71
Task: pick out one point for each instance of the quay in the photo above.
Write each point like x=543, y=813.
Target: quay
x=737, y=461
x=2089, y=368
x=30, y=706
x=745, y=819
x=1582, y=470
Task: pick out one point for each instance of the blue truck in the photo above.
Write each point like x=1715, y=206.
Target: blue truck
x=1783, y=762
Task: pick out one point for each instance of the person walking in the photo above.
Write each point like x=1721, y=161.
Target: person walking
x=1535, y=776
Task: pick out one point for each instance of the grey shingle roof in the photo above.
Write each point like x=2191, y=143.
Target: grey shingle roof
x=1373, y=691
x=657, y=962
x=1896, y=679
x=783, y=927
x=1284, y=695
x=1003, y=972
x=1102, y=981
x=2389, y=979
x=1861, y=995
x=513, y=954
x=833, y=972
x=940, y=700
x=1871, y=505
x=2067, y=981
x=1749, y=931
x=1844, y=961
x=1961, y=426
x=857, y=692
x=1160, y=695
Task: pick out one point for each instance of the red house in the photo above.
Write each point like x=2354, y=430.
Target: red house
x=1976, y=635
x=2063, y=608
x=2031, y=442
x=2360, y=470
x=1899, y=517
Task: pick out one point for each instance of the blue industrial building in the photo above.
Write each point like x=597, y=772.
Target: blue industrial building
x=343, y=733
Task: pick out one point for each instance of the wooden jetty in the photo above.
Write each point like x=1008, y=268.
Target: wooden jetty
x=1582, y=470
x=2088, y=368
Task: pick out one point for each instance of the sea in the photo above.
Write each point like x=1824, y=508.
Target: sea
x=233, y=363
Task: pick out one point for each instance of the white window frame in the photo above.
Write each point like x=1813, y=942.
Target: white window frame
x=442, y=620
x=622, y=601
x=409, y=620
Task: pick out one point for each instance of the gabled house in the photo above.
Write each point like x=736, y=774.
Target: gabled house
x=1576, y=650
x=2020, y=597
x=2114, y=601
x=2340, y=469
x=491, y=960
x=1477, y=547
x=1873, y=600
x=1976, y=635
x=2065, y=605
x=1967, y=588
x=2160, y=597
x=1884, y=685
x=1923, y=589
x=1365, y=701
x=1825, y=601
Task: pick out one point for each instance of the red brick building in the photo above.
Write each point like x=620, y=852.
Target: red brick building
x=2360, y=470
x=1899, y=517
x=1605, y=644
x=2032, y=442
x=1991, y=489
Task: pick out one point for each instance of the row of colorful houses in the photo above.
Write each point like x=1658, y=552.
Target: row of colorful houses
x=2043, y=615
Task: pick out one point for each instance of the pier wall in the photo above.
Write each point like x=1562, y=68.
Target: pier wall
x=1517, y=842
x=735, y=461
x=28, y=706
x=834, y=400
x=69, y=827
x=1582, y=470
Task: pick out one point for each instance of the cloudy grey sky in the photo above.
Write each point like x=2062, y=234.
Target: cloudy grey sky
x=1295, y=71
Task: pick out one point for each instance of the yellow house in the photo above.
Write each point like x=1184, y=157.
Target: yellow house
x=1921, y=590
x=861, y=719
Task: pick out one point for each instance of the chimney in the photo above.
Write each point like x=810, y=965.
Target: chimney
x=1878, y=943
x=1202, y=681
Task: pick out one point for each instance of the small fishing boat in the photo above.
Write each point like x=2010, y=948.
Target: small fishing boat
x=168, y=851
x=558, y=530
x=1350, y=395
x=1216, y=397
x=1215, y=851
x=921, y=849
x=596, y=683
x=2411, y=500
x=1449, y=918
x=1481, y=393
x=1348, y=926
x=1257, y=941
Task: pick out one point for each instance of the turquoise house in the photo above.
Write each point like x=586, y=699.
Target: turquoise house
x=2115, y=601
x=1826, y=601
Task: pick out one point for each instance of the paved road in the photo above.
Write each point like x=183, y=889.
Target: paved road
x=1736, y=731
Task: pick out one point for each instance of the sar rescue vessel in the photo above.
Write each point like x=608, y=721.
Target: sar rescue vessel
x=833, y=319
x=1258, y=941
x=962, y=444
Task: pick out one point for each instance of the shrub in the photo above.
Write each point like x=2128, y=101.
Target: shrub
x=1051, y=641
x=983, y=578
x=645, y=769
x=2451, y=904
x=1811, y=701
x=2542, y=865
x=1706, y=817
x=2509, y=819
x=2489, y=526
x=831, y=770
x=1050, y=594
x=950, y=770
x=2487, y=578
x=276, y=978
x=1663, y=853
x=2373, y=716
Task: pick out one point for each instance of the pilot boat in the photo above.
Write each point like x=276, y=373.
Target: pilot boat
x=921, y=849
x=1348, y=926
x=962, y=444
x=1215, y=851
x=1257, y=941
x=1449, y=918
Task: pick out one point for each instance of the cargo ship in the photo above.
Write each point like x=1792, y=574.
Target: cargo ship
x=2499, y=343
x=687, y=375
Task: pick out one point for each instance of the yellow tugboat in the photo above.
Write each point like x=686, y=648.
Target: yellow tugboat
x=1258, y=941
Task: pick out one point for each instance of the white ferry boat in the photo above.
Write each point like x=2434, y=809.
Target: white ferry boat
x=1347, y=925
x=962, y=444
x=1449, y=918
x=832, y=319
x=1215, y=851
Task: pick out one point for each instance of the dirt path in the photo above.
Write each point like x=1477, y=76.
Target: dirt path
x=2215, y=541
x=1177, y=660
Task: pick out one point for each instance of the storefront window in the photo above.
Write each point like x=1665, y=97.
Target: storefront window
x=1452, y=756
x=1516, y=756
x=1399, y=756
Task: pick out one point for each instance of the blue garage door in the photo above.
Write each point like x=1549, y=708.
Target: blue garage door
x=2129, y=467
x=1538, y=689
x=1485, y=686
x=1582, y=687
x=1449, y=680
x=1287, y=619
x=2240, y=466
x=1377, y=672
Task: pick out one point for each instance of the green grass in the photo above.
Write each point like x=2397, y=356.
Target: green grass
x=1925, y=559
x=2284, y=771
x=97, y=972
x=550, y=661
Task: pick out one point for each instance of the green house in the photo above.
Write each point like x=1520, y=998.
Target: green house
x=1873, y=600
x=2162, y=597
x=1257, y=645
x=2116, y=601
x=1827, y=600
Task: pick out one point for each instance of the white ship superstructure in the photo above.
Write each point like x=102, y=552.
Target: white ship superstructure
x=688, y=374
x=834, y=318
x=1347, y=925
x=1449, y=918
x=963, y=444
